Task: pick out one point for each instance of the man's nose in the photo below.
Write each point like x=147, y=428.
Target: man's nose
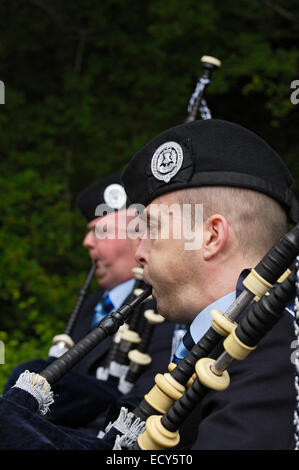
x=141, y=253
x=88, y=240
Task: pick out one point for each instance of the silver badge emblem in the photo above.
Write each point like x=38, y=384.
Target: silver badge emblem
x=115, y=196
x=166, y=161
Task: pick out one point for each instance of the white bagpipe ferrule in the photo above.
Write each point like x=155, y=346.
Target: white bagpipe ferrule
x=61, y=344
x=235, y=348
x=66, y=339
x=166, y=391
x=222, y=324
x=208, y=378
x=139, y=358
x=131, y=337
x=211, y=60
x=138, y=273
x=139, y=291
x=153, y=318
x=156, y=436
x=256, y=284
x=118, y=335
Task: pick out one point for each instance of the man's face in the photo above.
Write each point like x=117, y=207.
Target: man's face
x=110, y=249
x=172, y=270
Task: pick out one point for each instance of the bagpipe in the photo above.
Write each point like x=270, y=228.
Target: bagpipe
x=128, y=355
x=176, y=393
x=107, y=327
x=155, y=423
x=135, y=334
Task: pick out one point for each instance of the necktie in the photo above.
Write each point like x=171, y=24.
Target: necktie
x=178, y=334
x=185, y=345
x=102, y=309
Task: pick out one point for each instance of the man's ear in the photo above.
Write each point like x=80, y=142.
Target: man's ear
x=215, y=235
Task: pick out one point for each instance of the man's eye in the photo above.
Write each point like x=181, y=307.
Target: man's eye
x=136, y=229
x=141, y=226
x=152, y=229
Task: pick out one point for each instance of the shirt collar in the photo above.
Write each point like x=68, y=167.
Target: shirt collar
x=119, y=293
x=203, y=320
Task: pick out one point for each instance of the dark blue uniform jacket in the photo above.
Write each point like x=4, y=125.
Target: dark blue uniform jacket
x=79, y=397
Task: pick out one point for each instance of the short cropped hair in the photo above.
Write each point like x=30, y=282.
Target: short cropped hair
x=257, y=220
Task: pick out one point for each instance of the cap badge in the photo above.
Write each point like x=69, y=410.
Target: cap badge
x=166, y=161
x=115, y=196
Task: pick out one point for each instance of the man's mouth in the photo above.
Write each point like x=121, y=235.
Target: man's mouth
x=146, y=280
x=98, y=264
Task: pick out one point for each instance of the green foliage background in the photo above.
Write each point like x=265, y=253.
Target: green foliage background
x=87, y=83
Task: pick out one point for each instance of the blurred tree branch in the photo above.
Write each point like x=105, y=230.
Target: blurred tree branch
x=279, y=9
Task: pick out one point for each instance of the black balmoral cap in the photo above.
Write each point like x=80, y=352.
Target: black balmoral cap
x=109, y=191
x=210, y=152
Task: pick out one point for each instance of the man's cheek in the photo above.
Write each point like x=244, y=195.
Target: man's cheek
x=157, y=267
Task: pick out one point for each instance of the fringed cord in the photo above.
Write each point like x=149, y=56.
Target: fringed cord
x=38, y=387
x=129, y=426
x=202, y=82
